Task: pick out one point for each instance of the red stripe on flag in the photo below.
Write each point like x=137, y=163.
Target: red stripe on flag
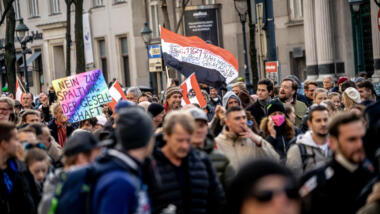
x=197, y=90
x=194, y=41
x=184, y=93
x=119, y=89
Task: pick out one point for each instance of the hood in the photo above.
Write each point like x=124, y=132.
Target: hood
x=306, y=139
x=228, y=96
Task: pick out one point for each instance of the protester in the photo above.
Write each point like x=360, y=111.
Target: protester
x=44, y=107
x=336, y=99
x=204, y=141
x=158, y=113
x=309, y=87
x=341, y=80
x=133, y=93
x=367, y=92
x=264, y=91
x=238, y=87
x=278, y=130
x=6, y=108
x=328, y=84
x=38, y=163
x=311, y=149
x=215, y=99
x=350, y=98
x=144, y=97
x=43, y=135
x=330, y=107
x=80, y=150
x=18, y=191
x=188, y=180
x=263, y=186
x=239, y=143
x=320, y=94
x=173, y=97
x=336, y=187
x=245, y=98
x=144, y=105
x=230, y=99
x=59, y=126
x=288, y=95
x=27, y=101
x=29, y=117
x=87, y=125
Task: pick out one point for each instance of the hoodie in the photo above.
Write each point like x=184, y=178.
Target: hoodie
x=316, y=156
x=228, y=96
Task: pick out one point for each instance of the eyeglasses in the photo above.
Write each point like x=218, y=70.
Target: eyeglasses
x=28, y=146
x=5, y=109
x=267, y=195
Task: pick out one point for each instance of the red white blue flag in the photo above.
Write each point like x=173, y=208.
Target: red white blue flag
x=211, y=64
x=116, y=93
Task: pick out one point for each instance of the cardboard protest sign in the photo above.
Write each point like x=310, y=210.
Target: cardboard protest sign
x=82, y=95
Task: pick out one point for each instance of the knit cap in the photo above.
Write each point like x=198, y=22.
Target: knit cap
x=155, y=109
x=275, y=105
x=172, y=90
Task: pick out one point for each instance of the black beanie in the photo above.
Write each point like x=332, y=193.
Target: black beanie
x=155, y=109
x=275, y=105
x=134, y=128
x=243, y=183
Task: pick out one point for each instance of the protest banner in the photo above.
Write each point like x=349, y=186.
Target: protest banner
x=82, y=95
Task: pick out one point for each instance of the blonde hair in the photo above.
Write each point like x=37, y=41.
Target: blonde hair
x=347, y=102
x=54, y=108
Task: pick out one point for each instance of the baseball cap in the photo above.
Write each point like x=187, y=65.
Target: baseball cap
x=198, y=114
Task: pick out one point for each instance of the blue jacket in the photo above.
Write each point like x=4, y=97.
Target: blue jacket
x=121, y=191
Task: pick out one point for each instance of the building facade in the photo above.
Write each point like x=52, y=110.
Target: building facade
x=115, y=28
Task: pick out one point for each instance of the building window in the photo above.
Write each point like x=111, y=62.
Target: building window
x=16, y=7
x=54, y=7
x=125, y=60
x=103, y=58
x=296, y=9
x=119, y=1
x=33, y=8
x=98, y=3
x=154, y=20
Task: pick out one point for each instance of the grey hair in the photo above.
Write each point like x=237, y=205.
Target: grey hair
x=136, y=91
x=9, y=101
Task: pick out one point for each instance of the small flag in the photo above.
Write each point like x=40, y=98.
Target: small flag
x=211, y=64
x=116, y=93
x=191, y=93
x=19, y=91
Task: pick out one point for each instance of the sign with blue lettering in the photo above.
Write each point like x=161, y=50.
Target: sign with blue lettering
x=155, y=60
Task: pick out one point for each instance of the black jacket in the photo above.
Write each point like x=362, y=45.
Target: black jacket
x=257, y=112
x=54, y=130
x=337, y=189
x=24, y=196
x=281, y=144
x=204, y=192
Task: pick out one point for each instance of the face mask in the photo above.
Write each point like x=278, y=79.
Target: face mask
x=278, y=120
x=215, y=99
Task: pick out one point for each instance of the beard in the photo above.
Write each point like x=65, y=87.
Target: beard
x=321, y=134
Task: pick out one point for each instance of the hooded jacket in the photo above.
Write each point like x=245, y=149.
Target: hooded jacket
x=228, y=96
x=315, y=155
x=239, y=150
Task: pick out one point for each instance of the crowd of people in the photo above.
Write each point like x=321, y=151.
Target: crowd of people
x=296, y=147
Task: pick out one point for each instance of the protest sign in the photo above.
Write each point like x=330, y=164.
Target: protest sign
x=82, y=95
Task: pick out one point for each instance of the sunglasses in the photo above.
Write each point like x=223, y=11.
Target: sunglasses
x=28, y=146
x=267, y=195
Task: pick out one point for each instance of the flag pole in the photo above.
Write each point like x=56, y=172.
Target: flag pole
x=20, y=84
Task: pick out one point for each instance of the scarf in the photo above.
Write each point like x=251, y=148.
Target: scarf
x=61, y=130
x=263, y=104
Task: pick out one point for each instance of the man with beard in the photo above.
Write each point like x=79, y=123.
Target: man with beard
x=311, y=149
x=215, y=98
x=336, y=187
x=173, y=97
x=288, y=94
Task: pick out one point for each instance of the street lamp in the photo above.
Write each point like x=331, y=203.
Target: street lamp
x=146, y=34
x=22, y=35
x=241, y=7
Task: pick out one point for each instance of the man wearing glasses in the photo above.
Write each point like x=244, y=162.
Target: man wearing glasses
x=6, y=108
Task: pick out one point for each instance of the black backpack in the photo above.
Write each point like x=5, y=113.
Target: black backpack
x=74, y=193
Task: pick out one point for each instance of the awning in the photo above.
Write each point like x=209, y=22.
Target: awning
x=34, y=56
x=18, y=56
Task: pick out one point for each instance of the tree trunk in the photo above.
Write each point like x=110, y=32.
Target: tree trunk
x=79, y=43
x=164, y=8
x=10, y=52
x=252, y=47
x=68, y=37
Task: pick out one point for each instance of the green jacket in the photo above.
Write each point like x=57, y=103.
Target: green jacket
x=300, y=110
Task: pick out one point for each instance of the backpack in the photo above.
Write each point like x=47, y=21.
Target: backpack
x=305, y=155
x=74, y=193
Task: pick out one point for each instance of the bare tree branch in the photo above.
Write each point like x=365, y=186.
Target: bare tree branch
x=184, y=4
x=6, y=11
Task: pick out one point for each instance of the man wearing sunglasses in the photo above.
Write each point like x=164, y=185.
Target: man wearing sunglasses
x=337, y=187
x=263, y=186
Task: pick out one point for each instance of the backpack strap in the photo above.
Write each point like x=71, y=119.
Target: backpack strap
x=305, y=155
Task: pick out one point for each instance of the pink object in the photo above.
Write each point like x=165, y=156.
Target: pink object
x=278, y=120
